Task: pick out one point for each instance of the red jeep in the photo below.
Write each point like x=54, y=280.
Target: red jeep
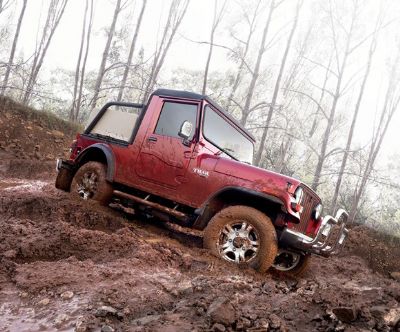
x=183, y=159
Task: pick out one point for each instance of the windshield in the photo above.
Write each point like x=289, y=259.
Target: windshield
x=226, y=137
x=117, y=122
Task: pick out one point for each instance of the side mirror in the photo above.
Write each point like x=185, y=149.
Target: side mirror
x=186, y=130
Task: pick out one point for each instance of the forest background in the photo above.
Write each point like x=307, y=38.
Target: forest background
x=316, y=81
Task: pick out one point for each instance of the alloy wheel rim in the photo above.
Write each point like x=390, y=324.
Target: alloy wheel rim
x=87, y=185
x=286, y=260
x=238, y=242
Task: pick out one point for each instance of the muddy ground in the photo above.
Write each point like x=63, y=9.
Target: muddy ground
x=67, y=265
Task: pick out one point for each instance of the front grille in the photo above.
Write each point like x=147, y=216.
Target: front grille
x=310, y=201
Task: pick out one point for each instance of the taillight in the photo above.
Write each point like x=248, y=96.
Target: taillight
x=73, y=146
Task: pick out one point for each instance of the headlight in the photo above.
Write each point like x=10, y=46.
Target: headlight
x=317, y=211
x=298, y=195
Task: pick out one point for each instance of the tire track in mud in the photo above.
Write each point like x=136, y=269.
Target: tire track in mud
x=133, y=275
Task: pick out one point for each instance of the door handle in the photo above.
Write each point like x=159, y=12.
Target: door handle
x=152, y=139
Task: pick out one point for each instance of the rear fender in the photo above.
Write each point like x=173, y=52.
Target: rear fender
x=98, y=152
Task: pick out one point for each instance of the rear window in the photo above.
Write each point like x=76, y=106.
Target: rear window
x=117, y=122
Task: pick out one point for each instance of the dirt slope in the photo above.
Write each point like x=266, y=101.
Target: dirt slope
x=73, y=266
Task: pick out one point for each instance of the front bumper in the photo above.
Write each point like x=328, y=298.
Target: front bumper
x=328, y=241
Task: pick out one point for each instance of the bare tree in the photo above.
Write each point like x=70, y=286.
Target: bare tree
x=354, y=120
x=321, y=98
x=83, y=68
x=54, y=15
x=341, y=66
x=272, y=105
x=252, y=23
x=13, y=47
x=131, y=51
x=175, y=17
x=256, y=71
x=102, y=69
x=218, y=14
x=4, y=4
x=78, y=64
x=390, y=106
x=81, y=62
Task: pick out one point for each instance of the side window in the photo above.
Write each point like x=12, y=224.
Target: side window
x=172, y=116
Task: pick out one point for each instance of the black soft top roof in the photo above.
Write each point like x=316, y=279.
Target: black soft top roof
x=197, y=96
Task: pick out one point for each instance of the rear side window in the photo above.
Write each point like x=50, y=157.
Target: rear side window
x=117, y=122
x=172, y=116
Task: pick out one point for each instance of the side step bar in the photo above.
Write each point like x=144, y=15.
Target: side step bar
x=177, y=214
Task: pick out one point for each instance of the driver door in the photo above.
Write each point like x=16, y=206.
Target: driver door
x=164, y=158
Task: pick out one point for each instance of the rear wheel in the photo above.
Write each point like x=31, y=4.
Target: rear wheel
x=291, y=263
x=242, y=235
x=90, y=182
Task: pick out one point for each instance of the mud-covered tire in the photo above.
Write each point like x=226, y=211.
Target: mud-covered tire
x=101, y=190
x=299, y=269
x=262, y=226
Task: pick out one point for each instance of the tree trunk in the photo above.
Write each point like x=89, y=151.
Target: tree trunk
x=83, y=70
x=13, y=47
x=323, y=153
x=216, y=20
x=78, y=64
x=4, y=5
x=239, y=73
x=390, y=106
x=321, y=98
x=256, y=71
x=101, y=72
x=277, y=87
x=173, y=22
x=352, y=126
x=210, y=50
x=131, y=51
x=54, y=15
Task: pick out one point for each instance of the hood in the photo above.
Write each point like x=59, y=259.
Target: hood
x=258, y=178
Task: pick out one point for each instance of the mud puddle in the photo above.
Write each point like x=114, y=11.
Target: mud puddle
x=21, y=313
x=22, y=185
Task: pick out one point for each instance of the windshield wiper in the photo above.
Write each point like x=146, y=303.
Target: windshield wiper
x=227, y=151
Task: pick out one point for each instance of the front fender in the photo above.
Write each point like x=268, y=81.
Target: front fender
x=237, y=195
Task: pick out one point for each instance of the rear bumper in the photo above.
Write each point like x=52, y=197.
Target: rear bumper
x=66, y=171
x=327, y=241
x=64, y=164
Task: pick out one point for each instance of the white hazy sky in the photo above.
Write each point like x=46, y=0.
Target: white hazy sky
x=63, y=50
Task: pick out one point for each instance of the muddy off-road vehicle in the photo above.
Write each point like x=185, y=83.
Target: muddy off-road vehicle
x=183, y=159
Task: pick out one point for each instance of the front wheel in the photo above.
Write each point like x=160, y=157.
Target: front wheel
x=291, y=263
x=242, y=235
x=90, y=182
